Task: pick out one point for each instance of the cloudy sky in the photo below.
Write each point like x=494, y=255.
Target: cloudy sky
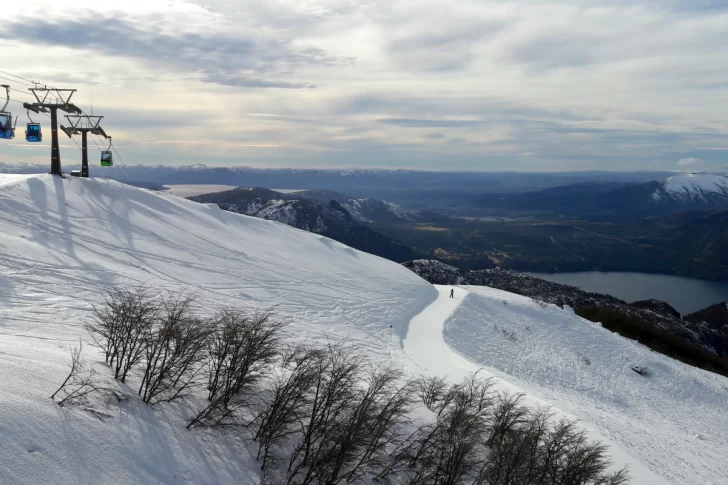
x=531, y=85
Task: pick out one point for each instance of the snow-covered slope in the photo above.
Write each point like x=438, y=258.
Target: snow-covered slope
x=694, y=186
x=63, y=240
x=674, y=420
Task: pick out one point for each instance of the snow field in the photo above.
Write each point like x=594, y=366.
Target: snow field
x=430, y=353
x=673, y=421
x=62, y=241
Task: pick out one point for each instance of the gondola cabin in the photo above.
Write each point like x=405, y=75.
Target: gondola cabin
x=33, y=133
x=106, y=159
x=6, y=126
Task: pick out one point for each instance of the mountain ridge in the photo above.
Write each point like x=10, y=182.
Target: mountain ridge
x=330, y=219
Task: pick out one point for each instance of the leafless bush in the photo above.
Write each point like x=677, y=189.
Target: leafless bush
x=241, y=349
x=353, y=417
x=431, y=391
x=485, y=438
x=81, y=381
x=537, y=451
x=173, y=351
x=121, y=325
x=285, y=400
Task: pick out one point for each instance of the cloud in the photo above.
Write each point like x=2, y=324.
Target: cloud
x=482, y=84
x=686, y=162
x=426, y=123
x=223, y=58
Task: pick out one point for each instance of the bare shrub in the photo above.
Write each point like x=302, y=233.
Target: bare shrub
x=337, y=373
x=121, y=325
x=354, y=416
x=485, y=438
x=241, y=349
x=174, y=350
x=285, y=400
x=431, y=391
x=81, y=381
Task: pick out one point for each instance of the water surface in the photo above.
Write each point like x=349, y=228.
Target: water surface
x=686, y=295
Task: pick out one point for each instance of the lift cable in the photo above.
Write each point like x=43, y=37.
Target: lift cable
x=32, y=83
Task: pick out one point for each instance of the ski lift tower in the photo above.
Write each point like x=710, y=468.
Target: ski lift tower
x=51, y=99
x=84, y=125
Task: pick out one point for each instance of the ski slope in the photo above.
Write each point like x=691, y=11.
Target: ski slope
x=425, y=345
x=62, y=241
x=673, y=422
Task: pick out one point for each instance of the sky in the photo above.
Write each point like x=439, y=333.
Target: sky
x=517, y=85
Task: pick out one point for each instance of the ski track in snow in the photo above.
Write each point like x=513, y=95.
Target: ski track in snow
x=63, y=241
x=426, y=347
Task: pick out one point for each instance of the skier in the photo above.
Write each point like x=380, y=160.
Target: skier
x=452, y=293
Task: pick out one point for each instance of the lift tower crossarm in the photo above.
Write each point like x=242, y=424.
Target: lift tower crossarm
x=84, y=125
x=52, y=99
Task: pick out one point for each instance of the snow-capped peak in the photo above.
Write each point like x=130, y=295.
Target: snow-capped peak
x=694, y=186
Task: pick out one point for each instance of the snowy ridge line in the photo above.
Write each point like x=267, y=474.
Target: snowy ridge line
x=425, y=345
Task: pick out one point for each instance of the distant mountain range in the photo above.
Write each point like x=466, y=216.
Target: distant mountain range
x=678, y=193
x=354, y=182
x=341, y=221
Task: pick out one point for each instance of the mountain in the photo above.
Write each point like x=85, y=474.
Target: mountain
x=330, y=219
x=370, y=210
x=394, y=185
x=678, y=193
x=66, y=241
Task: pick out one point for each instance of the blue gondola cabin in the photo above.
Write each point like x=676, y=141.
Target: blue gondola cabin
x=33, y=133
x=6, y=126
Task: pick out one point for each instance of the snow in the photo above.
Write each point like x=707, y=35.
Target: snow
x=428, y=350
x=64, y=240
x=693, y=186
x=673, y=421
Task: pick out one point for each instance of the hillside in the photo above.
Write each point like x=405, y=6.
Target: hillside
x=711, y=338
x=328, y=218
x=693, y=244
x=65, y=240
x=677, y=193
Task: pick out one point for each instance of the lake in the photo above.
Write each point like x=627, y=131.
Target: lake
x=686, y=295
x=190, y=190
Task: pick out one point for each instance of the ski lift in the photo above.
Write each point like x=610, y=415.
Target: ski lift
x=33, y=133
x=7, y=130
x=107, y=160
